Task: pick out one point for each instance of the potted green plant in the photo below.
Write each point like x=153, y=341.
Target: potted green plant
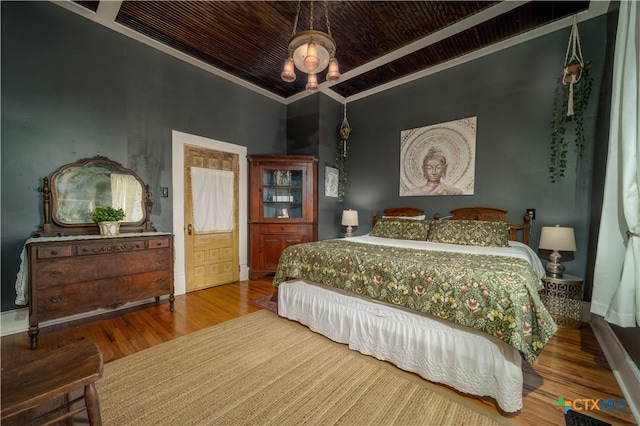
x=569, y=105
x=567, y=123
x=108, y=219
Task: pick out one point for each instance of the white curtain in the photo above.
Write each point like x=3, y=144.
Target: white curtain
x=616, y=281
x=126, y=194
x=213, y=200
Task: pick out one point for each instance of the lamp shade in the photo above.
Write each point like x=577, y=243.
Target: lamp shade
x=312, y=83
x=557, y=238
x=311, y=61
x=288, y=73
x=350, y=218
x=334, y=72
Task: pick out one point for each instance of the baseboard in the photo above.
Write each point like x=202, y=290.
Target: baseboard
x=17, y=321
x=624, y=369
x=586, y=311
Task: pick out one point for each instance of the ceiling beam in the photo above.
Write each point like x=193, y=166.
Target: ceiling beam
x=447, y=32
x=108, y=10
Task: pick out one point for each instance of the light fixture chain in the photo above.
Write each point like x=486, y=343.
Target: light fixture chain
x=311, y=16
x=326, y=15
x=295, y=22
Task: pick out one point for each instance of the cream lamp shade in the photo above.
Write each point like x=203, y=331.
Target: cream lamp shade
x=349, y=219
x=557, y=238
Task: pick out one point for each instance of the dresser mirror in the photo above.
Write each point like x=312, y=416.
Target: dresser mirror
x=74, y=190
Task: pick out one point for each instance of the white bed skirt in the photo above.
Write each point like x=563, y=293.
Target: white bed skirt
x=439, y=351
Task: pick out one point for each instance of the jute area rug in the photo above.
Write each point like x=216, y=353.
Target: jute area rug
x=261, y=369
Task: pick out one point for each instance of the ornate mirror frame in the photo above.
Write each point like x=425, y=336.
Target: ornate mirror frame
x=81, y=175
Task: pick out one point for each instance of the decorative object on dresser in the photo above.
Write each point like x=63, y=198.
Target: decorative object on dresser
x=68, y=269
x=283, y=207
x=556, y=238
x=350, y=220
x=563, y=299
x=108, y=219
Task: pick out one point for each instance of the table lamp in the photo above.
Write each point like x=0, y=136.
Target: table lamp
x=556, y=238
x=349, y=219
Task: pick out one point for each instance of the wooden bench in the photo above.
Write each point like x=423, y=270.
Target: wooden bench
x=53, y=375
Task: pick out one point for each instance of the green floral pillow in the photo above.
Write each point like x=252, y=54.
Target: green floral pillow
x=401, y=229
x=470, y=232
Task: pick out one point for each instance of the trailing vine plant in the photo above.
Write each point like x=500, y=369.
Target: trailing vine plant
x=565, y=127
x=569, y=105
x=341, y=157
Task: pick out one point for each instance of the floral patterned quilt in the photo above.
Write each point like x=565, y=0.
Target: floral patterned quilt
x=494, y=294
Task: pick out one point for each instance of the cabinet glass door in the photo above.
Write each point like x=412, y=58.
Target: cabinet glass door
x=282, y=193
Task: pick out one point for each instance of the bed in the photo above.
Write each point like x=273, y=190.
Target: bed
x=454, y=300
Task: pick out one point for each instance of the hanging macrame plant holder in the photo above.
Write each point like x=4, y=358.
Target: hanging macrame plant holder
x=345, y=130
x=573, y=64
x=569, y=105
x=341, y=156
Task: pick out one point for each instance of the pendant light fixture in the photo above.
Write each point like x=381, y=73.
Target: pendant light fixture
x=311, y=51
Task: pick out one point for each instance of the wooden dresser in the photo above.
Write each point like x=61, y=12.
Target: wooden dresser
x=71, y=275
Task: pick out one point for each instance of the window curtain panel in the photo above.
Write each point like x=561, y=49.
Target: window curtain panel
x=213, y=200
x=126, y=194
x=616, y=281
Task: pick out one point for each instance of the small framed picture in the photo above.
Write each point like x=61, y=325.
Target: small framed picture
x=330, y=181
x=283, y=177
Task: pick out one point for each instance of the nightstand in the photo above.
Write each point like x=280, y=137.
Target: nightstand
x=563, y=299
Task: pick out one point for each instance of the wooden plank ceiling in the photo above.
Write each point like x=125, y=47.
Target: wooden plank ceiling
x=249, y=39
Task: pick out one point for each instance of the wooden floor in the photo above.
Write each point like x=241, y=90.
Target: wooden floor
x=572, y=365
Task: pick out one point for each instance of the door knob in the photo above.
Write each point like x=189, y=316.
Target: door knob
x=189, y=229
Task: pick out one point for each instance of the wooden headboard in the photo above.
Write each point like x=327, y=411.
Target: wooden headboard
x=397, y=211
x=517, y=232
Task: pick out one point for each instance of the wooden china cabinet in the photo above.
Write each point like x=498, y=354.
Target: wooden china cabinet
x=283, y=208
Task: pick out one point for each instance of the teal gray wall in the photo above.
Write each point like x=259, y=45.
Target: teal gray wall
x=511, y=93
x=72, y=88
x=312, y=129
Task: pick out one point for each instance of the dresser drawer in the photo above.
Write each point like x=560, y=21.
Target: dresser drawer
x=119, y=246
x=282, y=229
x=87, y=268
x=49, y=252
x=68, y=299
x=159, y=243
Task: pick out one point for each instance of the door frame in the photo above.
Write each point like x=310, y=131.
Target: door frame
x=178, y=142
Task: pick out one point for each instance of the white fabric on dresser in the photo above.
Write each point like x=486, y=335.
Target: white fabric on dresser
x=439, y=351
